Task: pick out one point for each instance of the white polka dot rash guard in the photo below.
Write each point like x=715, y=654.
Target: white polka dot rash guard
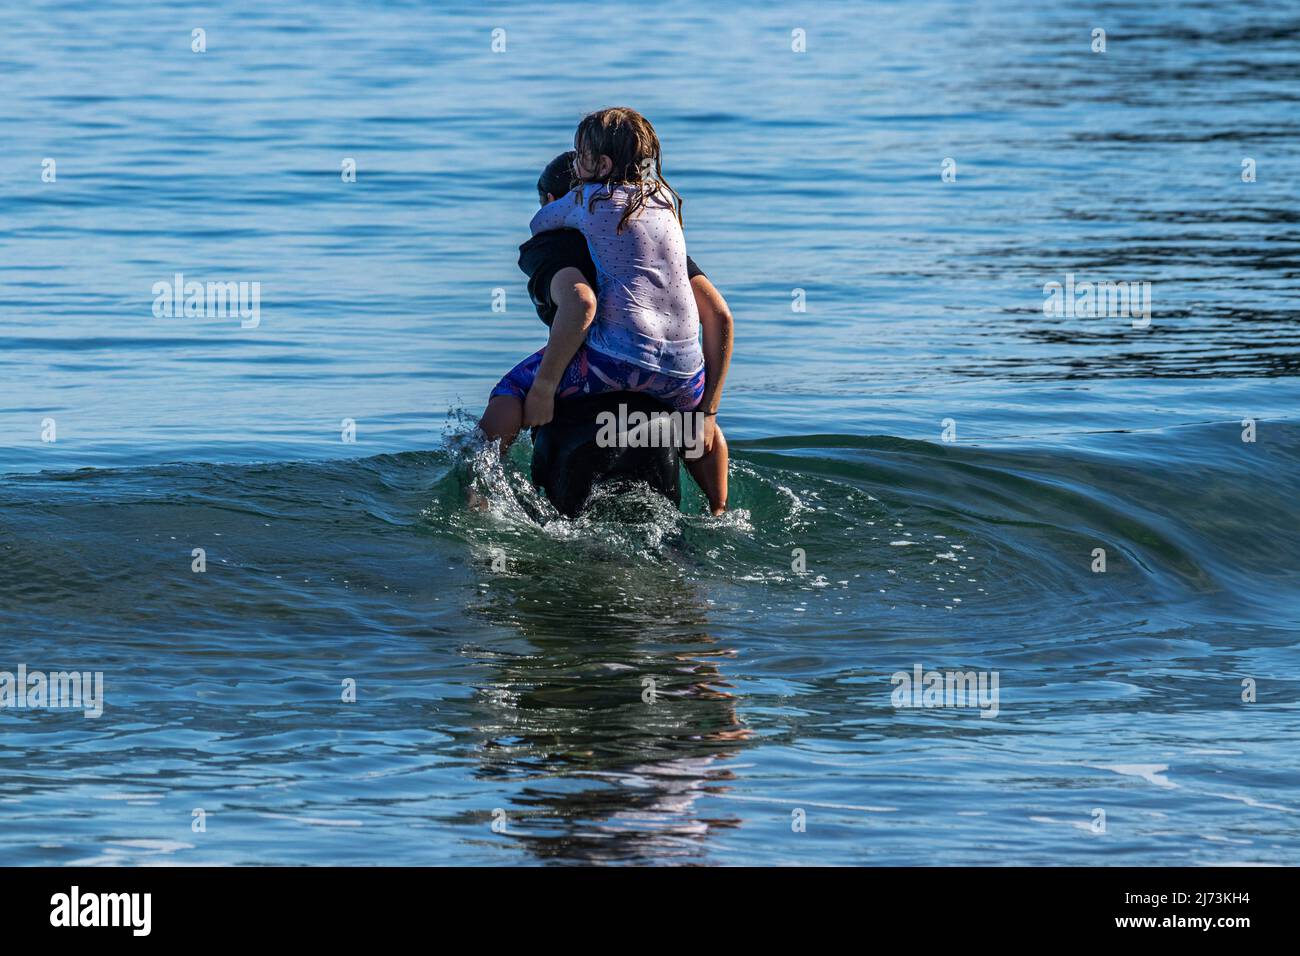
x=645, y=308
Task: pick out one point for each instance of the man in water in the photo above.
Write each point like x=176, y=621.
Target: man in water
x=562, y=285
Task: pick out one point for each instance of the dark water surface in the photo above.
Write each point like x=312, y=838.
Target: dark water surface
x=500, y=657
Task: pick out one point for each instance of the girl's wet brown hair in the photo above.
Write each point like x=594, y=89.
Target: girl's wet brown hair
x=628, y=139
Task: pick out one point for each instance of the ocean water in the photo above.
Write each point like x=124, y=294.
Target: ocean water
x=926, y=464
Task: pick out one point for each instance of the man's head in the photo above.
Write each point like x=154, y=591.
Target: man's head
x=557, y=178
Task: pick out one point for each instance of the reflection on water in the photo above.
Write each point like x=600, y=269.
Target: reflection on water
x=609, y=766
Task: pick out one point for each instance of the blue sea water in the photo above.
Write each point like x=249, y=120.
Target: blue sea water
x=1145, y=714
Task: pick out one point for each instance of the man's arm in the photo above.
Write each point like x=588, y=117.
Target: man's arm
x=575, y=310
x=710, y=470
x=717, y=329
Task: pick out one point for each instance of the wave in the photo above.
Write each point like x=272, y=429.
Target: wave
x=1192, y=521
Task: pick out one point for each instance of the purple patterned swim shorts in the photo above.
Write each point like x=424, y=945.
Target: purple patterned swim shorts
x=592, y=373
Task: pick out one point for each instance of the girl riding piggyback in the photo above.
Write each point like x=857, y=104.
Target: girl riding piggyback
x=645, y=335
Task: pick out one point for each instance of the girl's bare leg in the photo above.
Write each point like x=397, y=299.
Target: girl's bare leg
x=710, y=473
x=575, y=310
x=502, y=419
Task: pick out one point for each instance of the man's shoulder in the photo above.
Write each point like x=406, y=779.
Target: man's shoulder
x=555, y=247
